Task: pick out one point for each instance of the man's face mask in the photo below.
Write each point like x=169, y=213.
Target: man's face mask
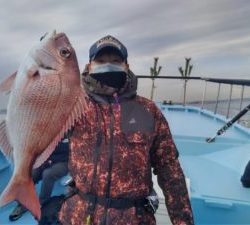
x=109, y=74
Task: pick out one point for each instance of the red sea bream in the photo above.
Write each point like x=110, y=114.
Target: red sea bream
x=46, y=99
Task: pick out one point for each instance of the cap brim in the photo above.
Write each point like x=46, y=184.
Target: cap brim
x=109, y=48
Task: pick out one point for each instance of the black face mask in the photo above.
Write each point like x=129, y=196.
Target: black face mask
x=115, y=79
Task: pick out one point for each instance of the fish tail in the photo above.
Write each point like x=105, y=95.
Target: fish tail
x=24, y=192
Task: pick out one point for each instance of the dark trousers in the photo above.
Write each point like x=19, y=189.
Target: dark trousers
x=48, y=176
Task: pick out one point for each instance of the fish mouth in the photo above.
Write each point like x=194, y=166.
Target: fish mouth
x=48, y=35
x=53, y=35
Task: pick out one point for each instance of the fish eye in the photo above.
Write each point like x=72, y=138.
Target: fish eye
x=65, y=52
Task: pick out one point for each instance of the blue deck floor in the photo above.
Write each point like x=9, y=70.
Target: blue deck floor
x=214, y=169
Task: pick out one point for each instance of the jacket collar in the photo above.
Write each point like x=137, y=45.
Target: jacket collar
x=104, y=94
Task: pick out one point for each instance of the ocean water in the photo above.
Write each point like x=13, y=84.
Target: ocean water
x=222, y=109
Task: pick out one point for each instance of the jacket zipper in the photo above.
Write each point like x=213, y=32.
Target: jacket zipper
x=111, y=150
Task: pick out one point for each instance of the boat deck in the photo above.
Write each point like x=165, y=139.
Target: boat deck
x=213, y=169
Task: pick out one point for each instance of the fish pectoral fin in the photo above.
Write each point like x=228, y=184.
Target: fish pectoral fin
x=78, y=110
x=4, y=141
x=24, y=192
x=5, y=85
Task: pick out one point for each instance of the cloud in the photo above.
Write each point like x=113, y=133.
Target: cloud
x=213, y=33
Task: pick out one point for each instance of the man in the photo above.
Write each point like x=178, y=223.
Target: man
x=55, y=167
x=114, y=146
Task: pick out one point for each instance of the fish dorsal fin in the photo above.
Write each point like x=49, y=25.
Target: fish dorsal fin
x=4, y=141
x=5, y=85
x=76, y=113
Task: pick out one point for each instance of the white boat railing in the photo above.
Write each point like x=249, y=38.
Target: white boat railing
x=241, y=84
x=232, y=83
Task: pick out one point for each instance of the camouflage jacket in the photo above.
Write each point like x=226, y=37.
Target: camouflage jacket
x=113, y=149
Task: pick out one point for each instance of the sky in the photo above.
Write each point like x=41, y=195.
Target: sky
x=214, y=33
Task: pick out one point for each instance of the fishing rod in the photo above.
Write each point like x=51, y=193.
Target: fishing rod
x=229, y=124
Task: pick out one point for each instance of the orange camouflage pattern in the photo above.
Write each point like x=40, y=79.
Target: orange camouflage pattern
x=134, y=154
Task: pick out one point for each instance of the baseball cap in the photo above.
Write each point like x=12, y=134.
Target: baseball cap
x=108, y=42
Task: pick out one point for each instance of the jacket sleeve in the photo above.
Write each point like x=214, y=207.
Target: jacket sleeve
x=164, y=160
